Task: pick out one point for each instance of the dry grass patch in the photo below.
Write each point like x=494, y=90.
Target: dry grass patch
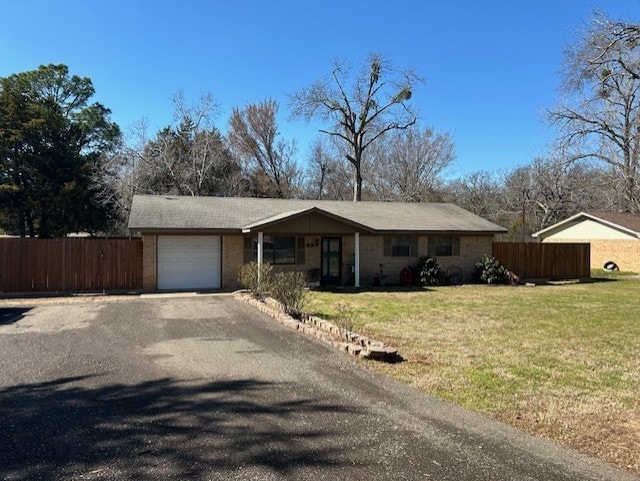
x=558, y=361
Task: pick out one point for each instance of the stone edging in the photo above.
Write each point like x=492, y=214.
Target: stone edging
x=325, y=331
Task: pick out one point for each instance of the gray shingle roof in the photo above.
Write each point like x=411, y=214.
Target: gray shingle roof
x=161, y=212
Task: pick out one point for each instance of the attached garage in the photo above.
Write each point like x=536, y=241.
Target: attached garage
x=189, y=262
x=195, y=243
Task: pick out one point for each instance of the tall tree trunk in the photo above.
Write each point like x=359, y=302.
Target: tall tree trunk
x=29, y=219
x=23, y=224
x=357, y=186
x=357, y=174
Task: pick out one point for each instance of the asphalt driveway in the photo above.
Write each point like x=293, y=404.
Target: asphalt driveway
x=207, y=388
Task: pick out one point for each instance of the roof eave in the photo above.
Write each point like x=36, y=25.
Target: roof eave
x=614, y=225
x=441, y=231
x=559, y=225
x=182, y=230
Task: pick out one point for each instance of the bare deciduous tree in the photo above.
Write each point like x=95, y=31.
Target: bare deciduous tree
x=601, y=117
x=407, y=165
x=560, y=190
x=548, y=191
x=189, y=157
x=253, y=135
x=479, y=192
x=326, y=176
x=372, y=104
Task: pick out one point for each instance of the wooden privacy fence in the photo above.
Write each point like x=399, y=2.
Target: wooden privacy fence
x=70, y=264
x=545, y=260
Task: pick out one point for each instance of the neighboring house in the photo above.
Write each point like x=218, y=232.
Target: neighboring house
x=201, y=242
x=613, y=236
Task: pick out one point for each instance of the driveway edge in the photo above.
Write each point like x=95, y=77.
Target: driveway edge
x=325, y=331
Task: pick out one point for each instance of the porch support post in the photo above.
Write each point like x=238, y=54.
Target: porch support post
x=356, y=266
x=260, y=240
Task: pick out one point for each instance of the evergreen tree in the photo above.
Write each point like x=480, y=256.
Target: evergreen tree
x=51, y=141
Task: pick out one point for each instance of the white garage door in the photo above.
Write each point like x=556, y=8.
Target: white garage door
x=188, y=262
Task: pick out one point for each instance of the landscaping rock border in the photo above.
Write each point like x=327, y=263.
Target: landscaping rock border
x=325, y=331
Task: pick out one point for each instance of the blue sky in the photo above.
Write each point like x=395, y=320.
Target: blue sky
x=491, y=67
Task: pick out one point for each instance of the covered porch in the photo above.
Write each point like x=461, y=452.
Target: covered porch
x=324, y=245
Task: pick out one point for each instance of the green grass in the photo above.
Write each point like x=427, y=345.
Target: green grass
x=562, y=360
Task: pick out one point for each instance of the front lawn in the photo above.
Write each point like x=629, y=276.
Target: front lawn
x=560, y=361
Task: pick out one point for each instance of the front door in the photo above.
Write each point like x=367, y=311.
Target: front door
x=331, y=261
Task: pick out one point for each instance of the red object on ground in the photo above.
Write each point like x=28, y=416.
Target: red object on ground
x=405, y=277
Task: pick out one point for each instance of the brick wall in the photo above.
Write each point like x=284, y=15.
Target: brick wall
x=232, y=257
x=472, y=249
x=149, y=262
x=371, y=256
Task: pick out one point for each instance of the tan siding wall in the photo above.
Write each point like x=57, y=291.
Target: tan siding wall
x=232, y=257
x=588, y=229
x=313, y=223
x=149, y=262
x=625, y=253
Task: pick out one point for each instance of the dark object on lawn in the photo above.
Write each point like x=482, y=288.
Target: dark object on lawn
x=455, y=276
x=611, y=266
x=405, y=277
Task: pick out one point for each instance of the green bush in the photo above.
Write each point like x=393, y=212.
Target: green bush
x=248, y=278
x=490, y=271
x=289, y=288
x=427, y=272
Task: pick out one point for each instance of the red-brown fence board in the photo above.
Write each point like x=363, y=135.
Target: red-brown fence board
x=70, y=264
x=545, y=260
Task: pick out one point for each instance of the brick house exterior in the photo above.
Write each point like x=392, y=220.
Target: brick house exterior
x=333, y=242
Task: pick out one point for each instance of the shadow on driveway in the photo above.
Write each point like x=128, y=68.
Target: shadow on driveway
x=160, y=428
x=9, y=315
